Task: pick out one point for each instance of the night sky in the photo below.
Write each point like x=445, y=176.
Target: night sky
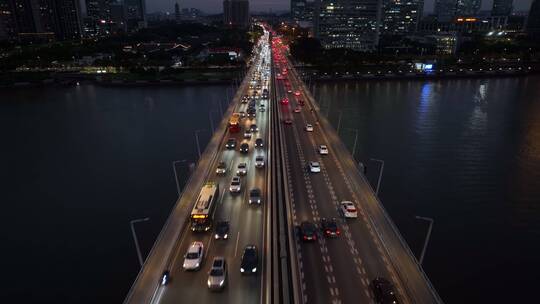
x=215, y=6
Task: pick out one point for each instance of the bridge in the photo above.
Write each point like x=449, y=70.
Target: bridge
x=298, y=183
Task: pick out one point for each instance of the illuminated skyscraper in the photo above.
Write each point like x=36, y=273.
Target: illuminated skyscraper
x=350, y=24
x=501, y=8
x=401, y=16
x=236, y=13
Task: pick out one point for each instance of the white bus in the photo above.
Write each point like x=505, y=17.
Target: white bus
x=203, y=210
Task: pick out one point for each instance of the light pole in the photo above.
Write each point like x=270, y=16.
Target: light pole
x=339, y=121
x=428, y=235
x=197, y=139
x=380, y=174
x=131, y=223
x=355, y=140
x=176, y=175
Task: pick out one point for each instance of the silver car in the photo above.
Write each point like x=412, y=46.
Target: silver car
x=217, y=276
x=242, y=169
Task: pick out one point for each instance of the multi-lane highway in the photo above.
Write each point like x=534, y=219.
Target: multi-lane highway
x=333, y=269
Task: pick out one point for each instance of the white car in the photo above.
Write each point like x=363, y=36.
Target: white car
x=241, y=169
x=309, y=128
x=348, y=209
x=221, y=168
x=323, y=149
x=314, y=167
x=259, y=161
x=247, y=134
x=194, y=256
x=235, y=186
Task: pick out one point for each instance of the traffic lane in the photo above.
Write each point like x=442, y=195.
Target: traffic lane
x=371, y=251
x=379, y=262
x=316, y=288
x=347, y=270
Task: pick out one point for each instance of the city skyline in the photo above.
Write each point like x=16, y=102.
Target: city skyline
x=213, y=7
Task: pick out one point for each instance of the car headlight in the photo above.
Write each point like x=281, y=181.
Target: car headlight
x=259, y=201
x=209, y=283
x=216, y=236
x=206, y=228
x=197, y=265
x=241, y=269
x=254, y=269
x=225, y=236
x=221, y=283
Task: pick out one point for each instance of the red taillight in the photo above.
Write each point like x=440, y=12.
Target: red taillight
x=314, y=237
x=327, y=231
x=338, y=232
x=305, y=237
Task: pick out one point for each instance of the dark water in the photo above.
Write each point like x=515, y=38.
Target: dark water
x=466, y=153
x=79, y=163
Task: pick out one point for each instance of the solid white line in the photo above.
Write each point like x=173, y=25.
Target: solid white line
x=236, y=247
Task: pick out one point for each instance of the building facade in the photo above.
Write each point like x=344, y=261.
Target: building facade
x=135, y=14
x=501, y=8
x=236, y=13
x=401, y=17
x=533, y=20
x=468, y=7
x=352, y=24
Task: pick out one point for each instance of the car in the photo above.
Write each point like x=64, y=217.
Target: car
x=247, y=134
x=330, y=227
x=287, y=121
x=258, y=143
x=236, y=185
x=241, y=169
x=297, y=110
x=289, y=91
x=222, y=230
x=194, y=256
x=300, y=102
x=309, y=128
x=250, y=260
x=245, y=98
x=314, y=167
x=231, y=143
x=261, y=109
x=348, y=209
x=253, y=128
x=217, y=276
x=323, y=149
x=308, y=231
x=165, y=278
x=297, y=93
x=259, y=161
x=255, y=196
x=244, y=148
x=384, y=291
x=252, y=104
x=221, y=168
x=242, y=114
x=285, y=101
x=252, y=112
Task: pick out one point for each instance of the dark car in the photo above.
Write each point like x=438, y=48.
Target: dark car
x=288, y=121
x=308, y=231
x=231, y=143
x=244, y=148
x=253, y=128
x=259, y=143
x=165, y=278
x=252, y=112
x=384, y=291
x=255, y=196
x=222, y=230
x=329, y=227
x=250, y=260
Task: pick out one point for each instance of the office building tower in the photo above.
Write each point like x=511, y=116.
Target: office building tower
x=177, y=12
x=98, y=17
x=533, y=20
x=298, y=8
x=401, y=17
x=7, y=20
x=135, y=13
x=445, y=10
x=501, y=8
x=350, y=24
x=468, y=7
x=236, y=13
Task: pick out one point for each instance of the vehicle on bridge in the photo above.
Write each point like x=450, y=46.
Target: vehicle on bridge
x=194, y=256
x=234, y=123
x=203, y=210
x=217, y=277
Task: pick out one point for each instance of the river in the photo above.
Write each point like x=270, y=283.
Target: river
x=80, y=162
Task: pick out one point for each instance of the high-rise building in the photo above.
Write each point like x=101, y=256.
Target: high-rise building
x=177, y=12
x=501, y=8
x=298, y=8
x=533, y=20
x=7, y=20
x=135, y=14
x=99, y=17
x=236, y=13
x=350, y=24
x=401, y=17
x=468, y=7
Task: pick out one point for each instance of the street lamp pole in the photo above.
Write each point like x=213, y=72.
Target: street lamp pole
x=197, y=139
x=131, y=223
x=380, y=174
x=339, y=121
x=176, y=175
x=355, y=140
x=430, y=220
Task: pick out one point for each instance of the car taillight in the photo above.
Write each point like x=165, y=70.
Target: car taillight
x=327, y=231
x=338, y=232
x=305, y=237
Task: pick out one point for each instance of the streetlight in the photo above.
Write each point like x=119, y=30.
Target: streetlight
x=380, y=173
x=131, y=223
x=197, y=139
x=428, y=235
x=355, y=140
x=176, y=175
x=339, y=121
